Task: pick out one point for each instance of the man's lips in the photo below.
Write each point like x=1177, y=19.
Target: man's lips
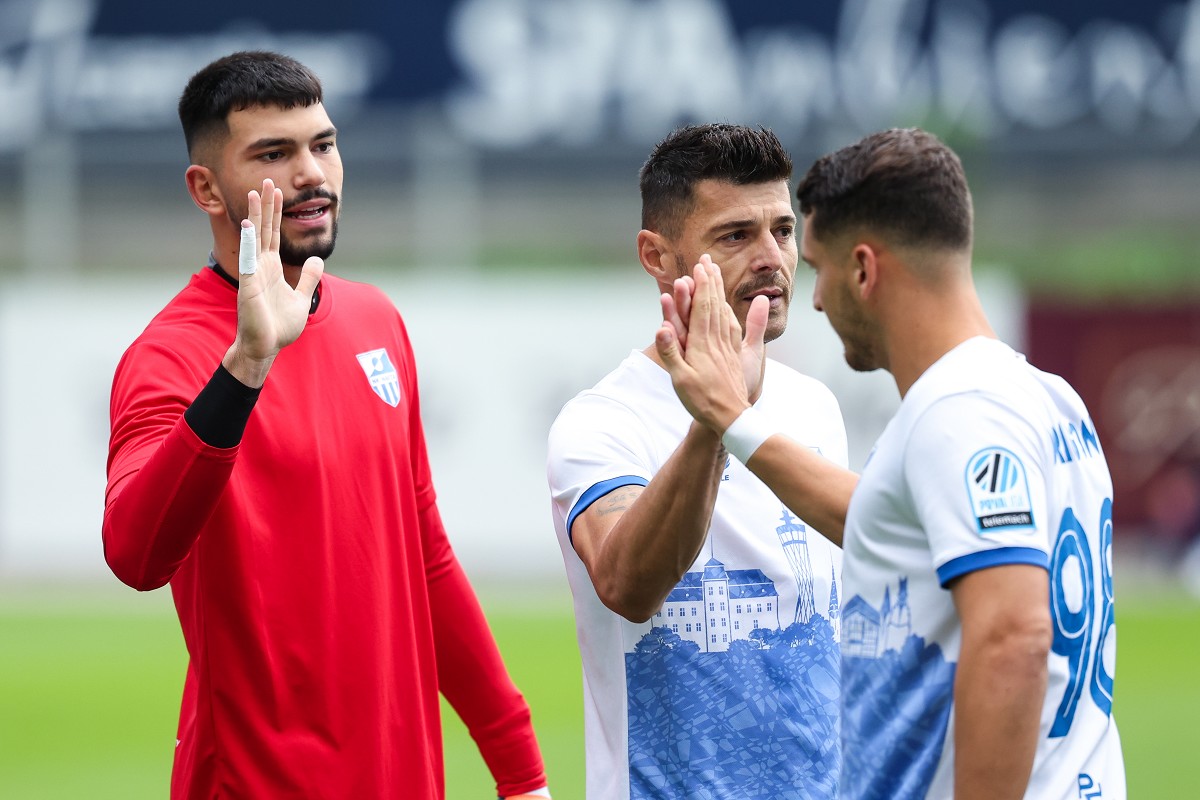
x=772, y=293
x=312, y=210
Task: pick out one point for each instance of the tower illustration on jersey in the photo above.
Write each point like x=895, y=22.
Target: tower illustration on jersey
x=793, y=535
x=834, y=607
x=897, y=620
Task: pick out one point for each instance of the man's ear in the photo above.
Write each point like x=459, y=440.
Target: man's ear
x=654, y=251
x=202, y=186
x=866, y=269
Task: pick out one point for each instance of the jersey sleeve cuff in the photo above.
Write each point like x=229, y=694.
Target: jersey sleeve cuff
x=596, y=491
x=957, y=567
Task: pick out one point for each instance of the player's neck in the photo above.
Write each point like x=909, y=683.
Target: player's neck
x=928, y=332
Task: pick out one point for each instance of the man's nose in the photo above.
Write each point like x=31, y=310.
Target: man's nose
x=308, y=172
x=768, y=256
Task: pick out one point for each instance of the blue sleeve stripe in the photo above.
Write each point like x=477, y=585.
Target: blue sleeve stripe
x=971, y=562
x=597, y=491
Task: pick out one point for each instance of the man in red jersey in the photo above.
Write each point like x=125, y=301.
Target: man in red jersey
x=279, y=482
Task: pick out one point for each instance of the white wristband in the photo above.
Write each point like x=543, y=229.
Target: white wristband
x=747, y=433
x=247, y=257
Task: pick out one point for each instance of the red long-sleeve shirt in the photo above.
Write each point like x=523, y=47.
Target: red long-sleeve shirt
x=320, y=601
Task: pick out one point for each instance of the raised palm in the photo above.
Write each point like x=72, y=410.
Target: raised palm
x=271, y=314
x=722, y=336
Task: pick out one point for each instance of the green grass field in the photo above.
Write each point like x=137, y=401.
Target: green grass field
x=89, y=686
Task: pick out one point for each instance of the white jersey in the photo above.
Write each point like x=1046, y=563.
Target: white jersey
x=988, y=461
x=731, y=689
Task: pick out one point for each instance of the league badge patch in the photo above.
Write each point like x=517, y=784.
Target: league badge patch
x=382, y=375
x=998, y=490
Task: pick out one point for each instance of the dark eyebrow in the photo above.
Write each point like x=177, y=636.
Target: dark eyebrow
x=266, y=144
x=739, y=224
x=263, y=144
x=732, y=225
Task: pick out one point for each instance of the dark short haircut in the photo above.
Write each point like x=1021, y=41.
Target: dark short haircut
x=732, y=153
x=239, y=81
x=904, y=183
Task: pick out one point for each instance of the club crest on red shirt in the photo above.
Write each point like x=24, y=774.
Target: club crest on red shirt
x=382, y=375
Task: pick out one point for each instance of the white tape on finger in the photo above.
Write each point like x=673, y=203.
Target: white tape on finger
x=247, y=254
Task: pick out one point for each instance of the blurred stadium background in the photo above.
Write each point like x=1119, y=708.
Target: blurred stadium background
x=491, y=151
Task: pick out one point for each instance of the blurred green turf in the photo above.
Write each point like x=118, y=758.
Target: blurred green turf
x=89, y=692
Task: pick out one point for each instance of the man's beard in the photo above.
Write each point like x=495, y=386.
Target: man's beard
x=858, y=346
x=859, y=358
x=294, y=253
x=777, y=319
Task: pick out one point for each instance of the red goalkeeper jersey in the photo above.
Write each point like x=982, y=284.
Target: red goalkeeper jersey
x=320, y=600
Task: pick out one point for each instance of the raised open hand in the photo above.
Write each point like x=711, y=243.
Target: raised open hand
x=271, y=314
x=711, y=372
x=702, y=345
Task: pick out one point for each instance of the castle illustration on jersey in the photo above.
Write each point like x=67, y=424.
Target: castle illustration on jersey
x=715, y=607
x=898, y=693
x=869, y=632
x=731, y=695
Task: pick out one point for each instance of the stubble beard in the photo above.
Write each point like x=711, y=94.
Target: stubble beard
x=857, y=361
x=294, y=253
x=776, y=322
x=860, y=354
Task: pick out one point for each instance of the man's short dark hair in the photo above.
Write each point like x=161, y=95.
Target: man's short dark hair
x=903, y=182
x=724, y=152
x=239, y=81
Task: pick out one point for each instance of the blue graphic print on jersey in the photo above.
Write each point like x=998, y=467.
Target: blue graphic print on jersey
x=897, y=702
x=898, y=708
x=761, y=723
x=895, y=729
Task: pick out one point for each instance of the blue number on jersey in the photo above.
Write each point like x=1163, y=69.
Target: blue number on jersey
x=1072, y=573
x=1102, y=682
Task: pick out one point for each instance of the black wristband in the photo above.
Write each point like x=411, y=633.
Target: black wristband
x=220, y=412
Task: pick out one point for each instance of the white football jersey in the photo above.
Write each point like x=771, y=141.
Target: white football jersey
x=988, y=461
x=731, y=689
